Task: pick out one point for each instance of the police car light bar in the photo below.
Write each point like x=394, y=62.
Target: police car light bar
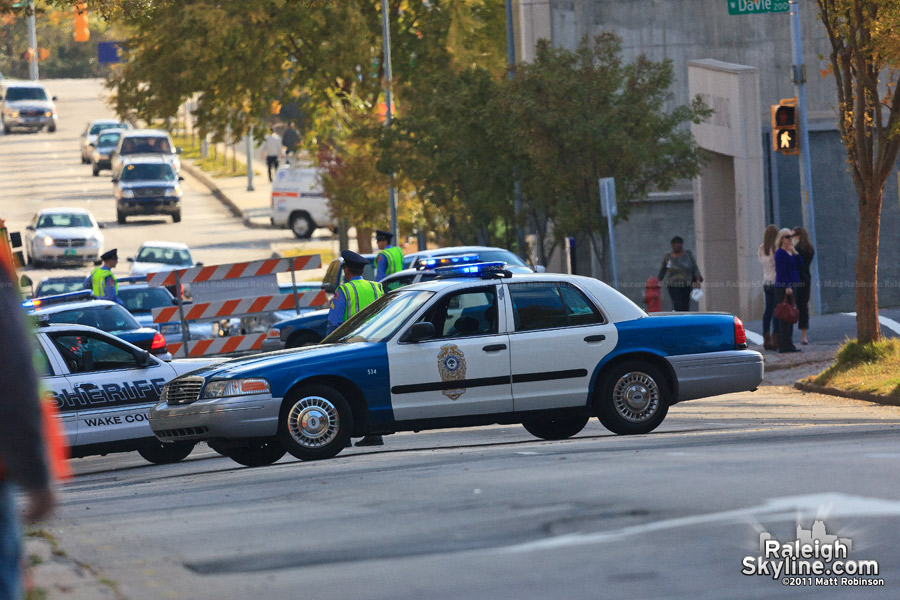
x=36, y=303
x=447, y=261
x=485, y=269
x=132, y=279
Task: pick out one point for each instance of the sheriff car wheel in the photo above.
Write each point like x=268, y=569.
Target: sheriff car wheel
x=315, y=423
x=634, y=399
x=163, y=453
x=255, y=453
x=548, y=428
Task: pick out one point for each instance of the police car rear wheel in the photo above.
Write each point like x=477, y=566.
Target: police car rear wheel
x=555, y=429
x=315, y=423
x=634, y=399
x=257, y=453
x=160, y=453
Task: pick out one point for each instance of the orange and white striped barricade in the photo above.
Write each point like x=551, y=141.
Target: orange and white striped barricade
x=246, y=281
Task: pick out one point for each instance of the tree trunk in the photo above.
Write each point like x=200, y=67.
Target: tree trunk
x=868, y=328
x=364, y=240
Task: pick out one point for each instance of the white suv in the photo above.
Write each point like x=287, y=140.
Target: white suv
x=26, y=105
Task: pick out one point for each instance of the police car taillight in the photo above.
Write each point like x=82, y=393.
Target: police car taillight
x=740, y=336
x=159, y=342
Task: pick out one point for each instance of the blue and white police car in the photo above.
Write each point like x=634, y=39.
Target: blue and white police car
x=547, y=351
x=103, y=388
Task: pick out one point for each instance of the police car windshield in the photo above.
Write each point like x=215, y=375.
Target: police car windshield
x=109, y=317
x=381, y=319
x=142, y=300
x=149, y=172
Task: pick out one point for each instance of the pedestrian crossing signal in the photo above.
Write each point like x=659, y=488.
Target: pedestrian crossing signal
x=784, y=127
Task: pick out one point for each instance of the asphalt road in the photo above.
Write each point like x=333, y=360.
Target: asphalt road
x=44, y=170
x=494, y=513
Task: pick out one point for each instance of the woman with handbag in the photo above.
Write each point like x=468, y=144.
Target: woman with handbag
x=787, y=276
x=680, y=271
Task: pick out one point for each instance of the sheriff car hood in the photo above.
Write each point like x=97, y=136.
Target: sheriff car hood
x=270, y=362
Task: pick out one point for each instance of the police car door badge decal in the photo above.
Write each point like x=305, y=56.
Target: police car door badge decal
x=452, y=367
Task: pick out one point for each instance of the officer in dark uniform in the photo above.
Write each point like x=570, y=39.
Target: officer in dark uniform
x=351, y=297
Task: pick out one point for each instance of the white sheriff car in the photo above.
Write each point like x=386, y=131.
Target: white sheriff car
x=547, y=351
x=103, y=387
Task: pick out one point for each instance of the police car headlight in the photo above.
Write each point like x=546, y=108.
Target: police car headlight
x=235, y=387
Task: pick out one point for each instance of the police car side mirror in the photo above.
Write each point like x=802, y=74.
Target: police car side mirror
x=30, y=228
x=178, y=150
x=25, y=281
x=418, y=332
x=180, y=178
x=115, y=180
x=101, y=225
x=143, y=358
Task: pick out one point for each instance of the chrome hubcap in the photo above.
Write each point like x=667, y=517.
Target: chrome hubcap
x=636, y=397
x=313, y=422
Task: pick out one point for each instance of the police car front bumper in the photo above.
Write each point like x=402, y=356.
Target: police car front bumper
x=249, y=416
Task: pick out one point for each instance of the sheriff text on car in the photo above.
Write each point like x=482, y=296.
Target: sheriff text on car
x=484, y=346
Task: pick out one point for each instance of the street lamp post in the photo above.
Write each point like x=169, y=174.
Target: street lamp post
x=386, y=36
x=32, y=43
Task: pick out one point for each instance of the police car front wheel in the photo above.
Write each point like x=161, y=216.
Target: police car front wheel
x=315, y=422
x=634, y=398
x=163, y=453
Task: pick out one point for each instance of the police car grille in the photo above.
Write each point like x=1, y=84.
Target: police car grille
x=148, y=192
x=181, y=432
x=182, y=391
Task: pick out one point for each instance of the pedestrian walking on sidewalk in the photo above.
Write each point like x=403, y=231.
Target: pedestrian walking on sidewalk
x=805, y=249
x=680, y=271
x=272, y=151
x=23, y=454
x=290, y=139
x=787, y=276
x=766, y=255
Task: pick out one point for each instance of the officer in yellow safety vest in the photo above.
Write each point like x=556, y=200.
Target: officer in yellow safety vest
x=351, y=297
x=102, y=282
x=390, y=259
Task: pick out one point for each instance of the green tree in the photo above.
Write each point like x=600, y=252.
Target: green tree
x=865, y=56
x=586, y=114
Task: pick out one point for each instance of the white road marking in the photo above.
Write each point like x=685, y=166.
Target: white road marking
x=885, y=322
x=787, y=508
x=754, y=337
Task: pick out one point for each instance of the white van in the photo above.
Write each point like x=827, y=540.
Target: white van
x=298, y=201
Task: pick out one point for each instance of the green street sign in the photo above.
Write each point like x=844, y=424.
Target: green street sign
x=755, y=7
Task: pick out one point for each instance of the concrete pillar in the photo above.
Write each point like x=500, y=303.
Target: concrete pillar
x=729, y=195
x=531, y=23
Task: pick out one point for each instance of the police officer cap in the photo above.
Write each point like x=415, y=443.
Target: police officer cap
x=353, y=259
x=380, y=235
x=112, y=254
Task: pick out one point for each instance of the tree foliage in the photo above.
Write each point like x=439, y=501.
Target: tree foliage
x=865, y=57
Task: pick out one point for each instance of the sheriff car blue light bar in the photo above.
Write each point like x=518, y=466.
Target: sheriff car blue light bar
x=446, y=261
x=57, y=299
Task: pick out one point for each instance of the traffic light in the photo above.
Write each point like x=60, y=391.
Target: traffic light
x=785, y=138
x=82, y=33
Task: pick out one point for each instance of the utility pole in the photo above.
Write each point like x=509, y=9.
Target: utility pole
x=249, y=151
x=517, y=186
x=386, y=35
x=32, y=42
x=806, y=194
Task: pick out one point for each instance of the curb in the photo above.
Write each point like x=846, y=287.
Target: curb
x=230, y=204
x=866, y=396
